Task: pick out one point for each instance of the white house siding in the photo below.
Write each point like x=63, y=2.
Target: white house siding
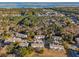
x=56, y=47
x=39, y=36
x=21, y=35
x=37, y=45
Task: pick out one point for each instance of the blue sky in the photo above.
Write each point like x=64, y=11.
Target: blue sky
x=36, y=4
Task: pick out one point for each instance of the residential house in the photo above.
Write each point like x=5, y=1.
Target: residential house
x=39, y=36
x=15, y=14
x=20, y=35
x=62, y=22
x=51, y=13
x=77, y=40
x=4, y=15
x=17, y=39
x=56, y=43
x=24, y=43
x=37, y=44
x=13, y=39
x=56, y=39
x=61, y=15
x=56, y=46
x=9, y=40
x=11, y=55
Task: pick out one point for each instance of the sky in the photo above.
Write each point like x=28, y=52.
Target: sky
x=37, y=4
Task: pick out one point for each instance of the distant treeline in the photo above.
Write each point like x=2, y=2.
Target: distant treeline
x=68, y=10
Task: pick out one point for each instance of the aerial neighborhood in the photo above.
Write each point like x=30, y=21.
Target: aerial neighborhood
x=39, y=32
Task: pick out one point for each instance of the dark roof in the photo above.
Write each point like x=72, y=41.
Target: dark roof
x=73, y=53
x=1, y=41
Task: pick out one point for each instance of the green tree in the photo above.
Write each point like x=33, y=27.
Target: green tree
x=25, y=51
x=68, y=37
x=41, y=51
x=12, y=47
x=26, y=22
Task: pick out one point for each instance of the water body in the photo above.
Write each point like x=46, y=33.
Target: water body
x=37, y=4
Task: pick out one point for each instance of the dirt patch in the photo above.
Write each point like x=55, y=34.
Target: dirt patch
x=52, y=53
